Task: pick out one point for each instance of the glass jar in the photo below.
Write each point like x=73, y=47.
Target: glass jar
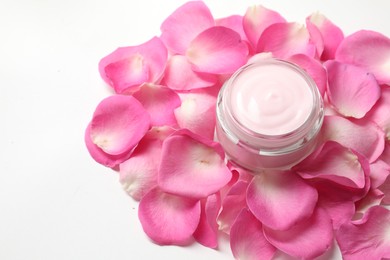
x=269, y=114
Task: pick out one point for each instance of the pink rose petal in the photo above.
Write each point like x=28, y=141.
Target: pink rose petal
x=129, y=67
x=138, y=174
x=364, y=137
x=381, y=111
x=184, y=24
x=168, y=219
x=385, y=188
x=367, y=49
x=100, y=156
x=331, y=35
x=232, y=204
x=218, y=50
x=247, y=240
x=207, y=231
x=256, y=19
x=379, y=171
x=367, y=238
x=118, y=124
x=160, y=102
x=286, y=39
x=373, y=198
x=335, y=163
x=351, y=89
x=338, y=201
x=180, y=76
x=234, y=22
x=269, y=197
x=192, y=166
x=197, y=113
x=314, y=68
x=307, y=239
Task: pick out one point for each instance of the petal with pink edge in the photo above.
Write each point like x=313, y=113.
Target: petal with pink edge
x=286, y=39
x=197, y=113
x=160, y=102
x=168, y=219
x=128, y=67
x=373, y=233
x=118, y=124
x=207, y=230
x=138, y=174
x=180, y=76
x=256, y=19
x=364, y=137
x=192, y=166
x=269, y=197
x=306, y=240
x=217, y=50
x=232, y=205
x=367, y=49
x=314, y=68
x=100, y=156
x=381, y=111
x=184, y=24
x=351, y=89
x=336, y=163
x=247, y=240
x=331, y=35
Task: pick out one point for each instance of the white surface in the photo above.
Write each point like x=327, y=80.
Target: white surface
x=55, y=201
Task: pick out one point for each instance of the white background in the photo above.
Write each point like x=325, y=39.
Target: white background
x=55, y=201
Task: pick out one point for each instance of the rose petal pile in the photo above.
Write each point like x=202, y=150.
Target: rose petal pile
x=157, y=131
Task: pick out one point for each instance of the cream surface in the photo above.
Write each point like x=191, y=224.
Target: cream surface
x=271, y=99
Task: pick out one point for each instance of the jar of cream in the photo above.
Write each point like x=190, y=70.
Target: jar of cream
x=269, y=114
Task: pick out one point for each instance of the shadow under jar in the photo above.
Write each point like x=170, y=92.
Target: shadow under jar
x=269, y=115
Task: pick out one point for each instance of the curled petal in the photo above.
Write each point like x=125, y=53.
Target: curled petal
x=331, y=35
x=335, y=163
x=306, y=240
x=207, y=231
x=168, y=219
x=197, y=113
x=217, y=50
x=269, y=198
x=351, y=89
x=184, y=24
x=160, y=102
x=247, y=240
x=363, y=137
x=286, y=39
x=233, y=203
x=100, y=156
x=118, y=124
x=180, y=76
x=192, y=166
x=129, y=67
x=256, y=19
x=314, y=68
x=381, y=111
x=372, y=232
x=367, y=49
